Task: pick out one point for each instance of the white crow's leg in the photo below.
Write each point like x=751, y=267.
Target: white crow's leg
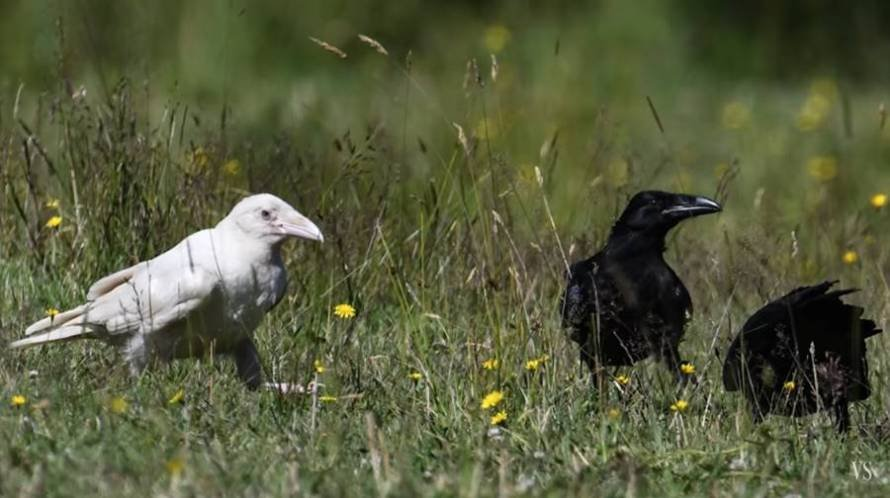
x=247, y=360
x=250, y=371
x=136, y=355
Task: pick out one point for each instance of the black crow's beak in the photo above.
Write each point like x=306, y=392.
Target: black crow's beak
x=687, y=206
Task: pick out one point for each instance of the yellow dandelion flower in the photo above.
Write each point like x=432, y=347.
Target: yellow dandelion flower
x=52, y=312
x=687, y=368
x=825, y=88
x=813, y=113
x=613, y=413
x=327, y=399
x=318, y=366
x=499, y=418
x=623, y=379
x=850, y=257
x=789, y=386
x=535, y=363
x=735, y=115
x=344, y=311
x=54, y=222
x=490, y=364
x=200, y=158
x=527, y=172
x=52, y=203
x=816, y=108
x=878, y=200
x=496, y=38
x=487, y=128
x=679, y=406
x=175, y=466
x=492, y=399
x=18, y=400
x=177, y=397
x=232, y=167
x=617, y=172
x=822, y=168
x=118, y=405
x=415, y=376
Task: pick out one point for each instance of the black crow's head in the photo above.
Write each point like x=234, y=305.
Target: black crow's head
x=658, y=212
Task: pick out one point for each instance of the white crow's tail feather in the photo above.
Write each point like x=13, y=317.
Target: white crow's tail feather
x=60, y=334
x=59, y=320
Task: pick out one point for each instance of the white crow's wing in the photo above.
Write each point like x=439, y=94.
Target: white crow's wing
x=158, y=298
x=102, y=287
x=106, y=284
x=153, y=300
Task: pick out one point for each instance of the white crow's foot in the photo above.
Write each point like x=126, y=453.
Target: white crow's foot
x=285, y=387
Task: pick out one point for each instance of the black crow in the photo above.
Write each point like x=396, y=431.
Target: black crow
x=802, y=353
x=625, y=303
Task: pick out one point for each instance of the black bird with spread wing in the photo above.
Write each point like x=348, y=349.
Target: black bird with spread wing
x=802, y=353
x=625, y=303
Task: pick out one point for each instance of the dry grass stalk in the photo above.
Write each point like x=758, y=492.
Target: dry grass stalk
x=330, y=48
x=462, y=138
x=373, y=43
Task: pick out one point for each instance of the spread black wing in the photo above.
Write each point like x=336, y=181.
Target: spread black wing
x=809, y=337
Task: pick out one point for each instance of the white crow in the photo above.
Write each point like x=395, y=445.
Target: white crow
x=206, y=295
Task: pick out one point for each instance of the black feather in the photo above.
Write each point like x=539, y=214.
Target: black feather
x=625, y=303
x=808, y=337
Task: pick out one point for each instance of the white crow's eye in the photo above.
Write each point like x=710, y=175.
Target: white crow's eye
x=265, y=214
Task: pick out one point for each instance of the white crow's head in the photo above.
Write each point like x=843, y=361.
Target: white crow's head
x=269, y=218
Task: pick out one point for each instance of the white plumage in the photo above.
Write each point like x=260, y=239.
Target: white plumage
x=205, y=295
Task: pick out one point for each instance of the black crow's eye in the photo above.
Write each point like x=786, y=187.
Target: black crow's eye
x=265, y=214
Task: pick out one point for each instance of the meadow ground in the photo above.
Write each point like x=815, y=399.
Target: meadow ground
x=451, y=199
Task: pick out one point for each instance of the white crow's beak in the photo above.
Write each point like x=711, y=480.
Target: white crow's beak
x=300, y=226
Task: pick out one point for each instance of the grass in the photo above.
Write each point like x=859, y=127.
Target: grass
x=451, y=245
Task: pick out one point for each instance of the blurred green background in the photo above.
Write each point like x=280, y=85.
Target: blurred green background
x=563, y=65
x=779, y=102
x=752, y=94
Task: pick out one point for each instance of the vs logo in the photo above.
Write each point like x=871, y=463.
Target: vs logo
x=865, y=471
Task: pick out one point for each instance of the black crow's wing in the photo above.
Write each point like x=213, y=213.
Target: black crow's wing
x=590, y=291
x=578, y=301
x=754, y=344
x=838, y=332
x=810, y=315
x=758, y=341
